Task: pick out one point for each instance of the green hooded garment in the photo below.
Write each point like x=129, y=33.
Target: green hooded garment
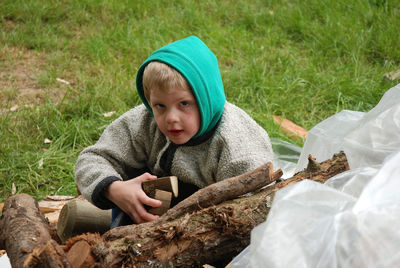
x=195, y=61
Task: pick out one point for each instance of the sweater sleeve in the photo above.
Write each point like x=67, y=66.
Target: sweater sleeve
x=246, y=145
x=119, y=153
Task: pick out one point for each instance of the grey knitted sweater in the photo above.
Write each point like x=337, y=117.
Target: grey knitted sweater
x=133, y=144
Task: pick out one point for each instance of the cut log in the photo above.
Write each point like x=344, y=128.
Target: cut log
x=79, y=216
x=25, y=235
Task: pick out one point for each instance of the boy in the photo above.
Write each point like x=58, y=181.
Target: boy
x=184, y=128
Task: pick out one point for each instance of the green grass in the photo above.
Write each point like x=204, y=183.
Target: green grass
x=304, y=60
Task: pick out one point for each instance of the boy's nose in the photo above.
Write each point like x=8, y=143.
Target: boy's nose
x=172, y=117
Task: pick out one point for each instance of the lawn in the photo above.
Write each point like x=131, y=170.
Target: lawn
x=67, y=68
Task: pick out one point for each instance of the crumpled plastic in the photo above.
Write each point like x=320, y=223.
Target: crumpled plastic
x=366, y=138
x=350, y=221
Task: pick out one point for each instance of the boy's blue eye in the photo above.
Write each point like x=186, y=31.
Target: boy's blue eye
x=184, y=103
x=159, y=106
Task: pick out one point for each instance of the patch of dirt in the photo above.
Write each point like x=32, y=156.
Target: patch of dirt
x=19, y=73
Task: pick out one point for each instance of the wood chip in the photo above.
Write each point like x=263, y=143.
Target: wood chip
x=393, y=75
x=79, y=255
x=14, y=108
x=63, y=81
x=40, y=164
x=52, y=217
x=13, y=189
x=51, y=206
x=290, y=128
x=109, y=114
x=58, y=197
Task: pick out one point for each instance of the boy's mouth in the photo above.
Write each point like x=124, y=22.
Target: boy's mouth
x=175, y=132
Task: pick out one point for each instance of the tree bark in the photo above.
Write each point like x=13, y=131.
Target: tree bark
x=194, y=234
x=24, y=233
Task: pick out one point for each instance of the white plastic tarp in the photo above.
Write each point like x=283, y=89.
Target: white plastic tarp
x=366, y=138
x=353, y=219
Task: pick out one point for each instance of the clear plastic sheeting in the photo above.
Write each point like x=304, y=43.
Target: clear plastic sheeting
x=5, y=261
x=326, y=138
x=286, y=156
x=353, y=219
x=366, y=138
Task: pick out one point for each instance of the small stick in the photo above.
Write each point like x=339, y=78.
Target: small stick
x=225, y=190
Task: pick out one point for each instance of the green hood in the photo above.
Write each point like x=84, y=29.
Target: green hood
x=195, y=61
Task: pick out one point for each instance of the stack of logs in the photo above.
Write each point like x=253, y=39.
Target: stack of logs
x=212, y=225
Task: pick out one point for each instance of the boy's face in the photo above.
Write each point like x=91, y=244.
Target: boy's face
x=176, y=113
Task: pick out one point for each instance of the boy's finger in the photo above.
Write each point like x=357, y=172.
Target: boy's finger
x=135, y=217
x=149, y=217
x=151, y=201
x=147, y=177
x=144, y=215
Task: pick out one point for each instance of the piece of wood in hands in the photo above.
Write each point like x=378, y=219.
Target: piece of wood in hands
x=168, y=184
x=165, y=197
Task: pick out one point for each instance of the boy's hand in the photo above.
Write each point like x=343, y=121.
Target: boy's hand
x=129, y=196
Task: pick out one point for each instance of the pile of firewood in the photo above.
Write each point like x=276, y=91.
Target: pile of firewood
x=211, y=226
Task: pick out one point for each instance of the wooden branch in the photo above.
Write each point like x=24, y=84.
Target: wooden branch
x=225, y=190
x=25, y=235
x=200, y=234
